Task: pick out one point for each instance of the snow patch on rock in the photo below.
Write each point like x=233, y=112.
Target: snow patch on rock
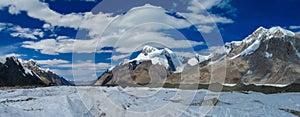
x=193, y=62
x=252, y=48
x=268, y=55
x=28, y=71
x=249, y=72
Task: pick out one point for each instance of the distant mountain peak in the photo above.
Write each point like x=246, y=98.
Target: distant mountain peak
x=260, y=29
x=262, y=32
x=32, y=62
x=148, y=49
x=279, y=32
x=20, y=72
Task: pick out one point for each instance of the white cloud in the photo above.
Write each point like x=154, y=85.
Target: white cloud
x=3, y=57
x=81, y=75
x=119, y=56
x=2, y=26
x=294, y=27
x=52, y=62
x=86, y=70
x=150, y=37
x=199, y=6
x=47, y=27
x=13, y=10
x=46, y=46
x=80, y=70
x=119, y=25
x=85, y=65
x=18, y=31
x=126, y=33
x=203, y=20
x=59, y=63
x=62, y=44
x=41, y=10
x=14, y=54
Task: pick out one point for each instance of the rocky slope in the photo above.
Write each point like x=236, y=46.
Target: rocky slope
x=267, y=56
x=16, y=72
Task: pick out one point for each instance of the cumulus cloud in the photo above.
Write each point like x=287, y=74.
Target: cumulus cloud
x=3, y=57
x=87, y=64
x=203, y=20
x=18, y=31
x=116, y=26
x=41, y=10
x=12, y=9
x=79, y=70
x=46, y=46
x=62, y=44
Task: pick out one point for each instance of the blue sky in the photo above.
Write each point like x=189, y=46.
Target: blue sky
x=93, y=35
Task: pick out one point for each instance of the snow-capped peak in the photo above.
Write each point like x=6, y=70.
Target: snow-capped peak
x=148, y=49
x=254, y=40
x=31, y=62
x=164, y=57
x=263, y=33
x=257, y=34
x=260, y=30
x=278, y=31
x=231, y=45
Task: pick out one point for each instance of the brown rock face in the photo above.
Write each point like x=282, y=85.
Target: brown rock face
x=130, y=74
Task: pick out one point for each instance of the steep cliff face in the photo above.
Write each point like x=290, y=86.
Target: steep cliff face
x=16, y=72
x=267, y=56
x=13, y=73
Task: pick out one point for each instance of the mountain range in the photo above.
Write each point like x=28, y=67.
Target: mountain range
x=267, y=56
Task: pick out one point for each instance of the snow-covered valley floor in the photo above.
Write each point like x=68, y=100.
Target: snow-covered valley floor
x=69, y=101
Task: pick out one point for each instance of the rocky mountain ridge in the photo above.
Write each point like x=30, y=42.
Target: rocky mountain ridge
x=16, y=72
x=267, y=56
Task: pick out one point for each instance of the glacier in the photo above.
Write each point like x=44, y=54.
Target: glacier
x=92, y=101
